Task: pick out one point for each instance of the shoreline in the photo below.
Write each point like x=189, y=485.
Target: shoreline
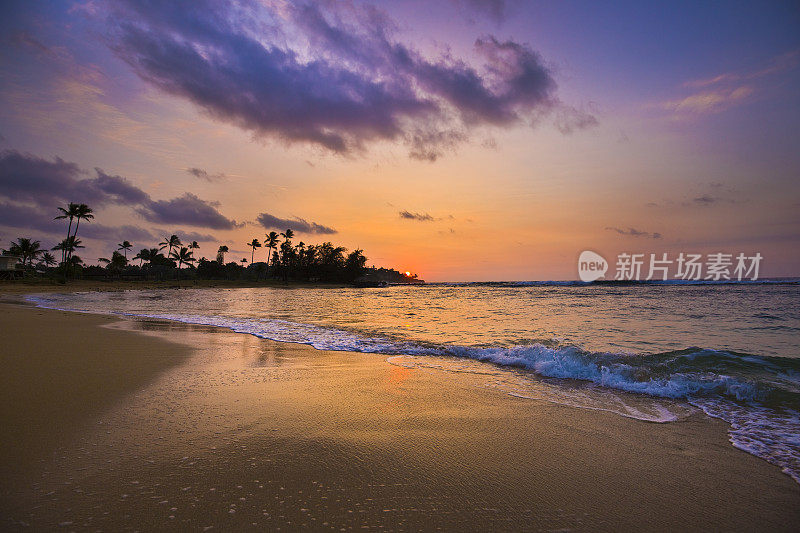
x=378, y=436
x=19, y=287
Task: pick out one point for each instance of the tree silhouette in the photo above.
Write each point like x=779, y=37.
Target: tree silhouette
x=83, y=212
x=47, y=259
x=68, y=246
x=125, y=246
x=70, y=212
x=183, y=256
x=27, y=249
x=170, y=242
x=253, y=244
x=221, y=251
x=271, y=242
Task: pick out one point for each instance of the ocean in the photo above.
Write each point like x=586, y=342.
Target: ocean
x=656, y=352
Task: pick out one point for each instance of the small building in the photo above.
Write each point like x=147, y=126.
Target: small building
x=10, y=266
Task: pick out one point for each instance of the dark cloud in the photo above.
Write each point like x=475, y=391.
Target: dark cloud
x=14, y=215
x=330, y=74
x=569, y=120
x=186, y=236
x=115, y=189
x=633, y=232
x=43, y=184
x=496, y=9
x=31, y=179
x=204, y=175
x=135, y=234
x=705, y=200
x=186, y=209
x=420, y=217
x=298, y=225
x=22, y=217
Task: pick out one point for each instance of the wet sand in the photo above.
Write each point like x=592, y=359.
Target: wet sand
x=119, y=425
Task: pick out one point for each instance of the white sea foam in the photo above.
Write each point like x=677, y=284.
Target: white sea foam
x=758, y=396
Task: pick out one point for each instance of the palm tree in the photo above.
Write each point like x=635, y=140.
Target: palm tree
x=117, y=261
x=69, y=212
x=286, y=249
x=183, y=256
x=221, y=254
x=142, y=256
x=194, y=246
x=47, y=259
x=170, y=243
x=83, y=212
x=67, y=246
x=271, y=242
x=125, y=246
x=253, y=244
x=27, y=249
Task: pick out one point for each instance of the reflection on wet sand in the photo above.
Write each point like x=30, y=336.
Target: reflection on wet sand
x=252, y=433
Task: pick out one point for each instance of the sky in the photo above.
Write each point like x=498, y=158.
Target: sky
x=463, y=140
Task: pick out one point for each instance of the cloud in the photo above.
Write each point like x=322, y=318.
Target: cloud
x=186, y=236
x=22, y=217
x=723, y=91
x=186, y=209
x=329, y=74
x=710, y=101
x=705, y=200
x=43, y=184
x=420, y=217
x=204, y=175
x=776, y=65
x=298, y=225
x=632, y=232
x=569, y=120
x=496, y=9
x=128, y=232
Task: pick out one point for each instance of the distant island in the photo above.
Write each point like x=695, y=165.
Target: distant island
x=173, y=259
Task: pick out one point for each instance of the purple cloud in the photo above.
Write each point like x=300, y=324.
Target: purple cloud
x=419, y=217
x=205, y=175
x=295, y=224
x=330, y=74
x=43, y=184
x=633, y=232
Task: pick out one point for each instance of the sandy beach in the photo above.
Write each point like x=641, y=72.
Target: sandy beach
x=151, y=425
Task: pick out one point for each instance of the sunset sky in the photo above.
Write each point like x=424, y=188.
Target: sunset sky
x=459, y=139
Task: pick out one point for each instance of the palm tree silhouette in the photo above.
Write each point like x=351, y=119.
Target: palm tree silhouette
x=183, y=256
x=142, y=256
x=27, y=249
x=194, y=246
x=271, y=242
x=67, y=246
x=221, y=254
x=125, y=246
x=83, y=212
x=47, y=259
x=170, y=243
x=69, y=212
x=253, y=244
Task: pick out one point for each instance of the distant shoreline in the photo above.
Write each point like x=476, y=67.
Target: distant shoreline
x=26, y=286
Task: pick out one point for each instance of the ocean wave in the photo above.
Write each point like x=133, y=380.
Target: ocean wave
x=759, y=396
x=611, y=282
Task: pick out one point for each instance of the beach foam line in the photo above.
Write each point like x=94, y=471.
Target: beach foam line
x=758, y=396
